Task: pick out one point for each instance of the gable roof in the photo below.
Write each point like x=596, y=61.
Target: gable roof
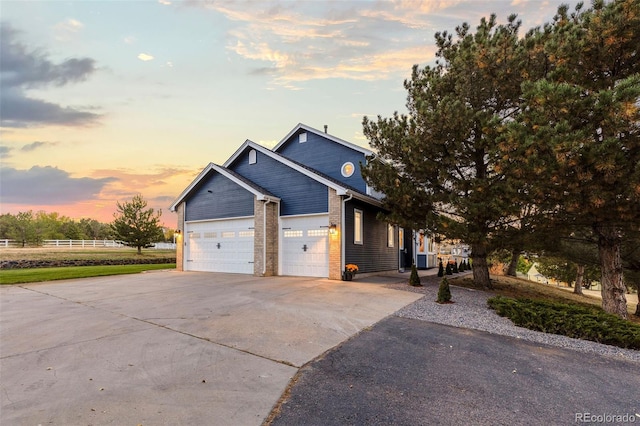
x=306, y=128
x=339, y=187
x=259, y=192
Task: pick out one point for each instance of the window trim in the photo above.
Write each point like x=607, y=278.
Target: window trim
x=358, y=227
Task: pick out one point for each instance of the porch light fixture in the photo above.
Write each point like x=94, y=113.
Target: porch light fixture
x=333, y=229
x=178, y=231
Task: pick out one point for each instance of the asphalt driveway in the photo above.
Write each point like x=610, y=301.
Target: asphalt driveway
x=410, y=372
x=170, y=347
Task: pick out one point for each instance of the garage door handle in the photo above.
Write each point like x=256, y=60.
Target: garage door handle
x=218, y=245
x=304, y=248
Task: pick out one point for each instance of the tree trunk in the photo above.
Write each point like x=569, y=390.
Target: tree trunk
x=637, y=313
x=480, y=266
x=613, y=288
x=579, y=279
x=139, y=250
x=513, y=265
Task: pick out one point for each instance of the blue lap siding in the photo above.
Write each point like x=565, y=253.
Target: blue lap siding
x=326, y=157
x=372, y=255
x=227, y=199
x=299, y=194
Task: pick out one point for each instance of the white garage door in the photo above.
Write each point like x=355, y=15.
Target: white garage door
x=220, y=246
x=305, y=246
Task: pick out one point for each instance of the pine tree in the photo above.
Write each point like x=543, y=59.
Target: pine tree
x=440, y=269
x=576, y=147
x=444, y=292
x=455, y=267
x=136, y=225
x=439, y=171
x=414, y=278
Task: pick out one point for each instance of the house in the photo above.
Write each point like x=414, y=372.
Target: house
x=534, y=275
x=300, y=209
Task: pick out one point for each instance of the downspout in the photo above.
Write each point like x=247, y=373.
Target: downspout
x=343, y=225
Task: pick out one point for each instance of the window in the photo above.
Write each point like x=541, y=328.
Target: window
x=390, y=236
x=302, y=137
x=401, y=238
x=347, y=169
x=357, y=226
x=293, y=233
x=253, y=157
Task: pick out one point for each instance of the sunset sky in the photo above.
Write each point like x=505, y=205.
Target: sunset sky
x=102, y=100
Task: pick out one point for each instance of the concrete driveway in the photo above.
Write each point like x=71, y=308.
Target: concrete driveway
x=170, y=347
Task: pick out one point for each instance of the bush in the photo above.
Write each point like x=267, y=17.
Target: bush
x=444, y=292
x=414, y=279
x=580, y=322
x=441, y=270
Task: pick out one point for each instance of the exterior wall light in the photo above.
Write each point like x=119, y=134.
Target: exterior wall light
x=333, y=229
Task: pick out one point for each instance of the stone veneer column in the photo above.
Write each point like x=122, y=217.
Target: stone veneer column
x=180, y=239
x=335, y=240
x=271, y=231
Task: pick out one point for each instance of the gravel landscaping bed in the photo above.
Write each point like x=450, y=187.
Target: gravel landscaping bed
x=470, y=310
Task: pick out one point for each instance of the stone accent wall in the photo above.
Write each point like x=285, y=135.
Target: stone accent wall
x=270, y=268
x=180, y=239
x=335, y=240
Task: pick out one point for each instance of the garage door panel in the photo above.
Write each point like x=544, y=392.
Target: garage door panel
x=305, y=246
x=220, y=246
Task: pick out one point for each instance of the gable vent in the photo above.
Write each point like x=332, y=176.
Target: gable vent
x=302, y=137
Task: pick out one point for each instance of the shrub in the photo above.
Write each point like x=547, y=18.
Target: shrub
x=444, y=292
x=441, y=270
x=414, y=279
x=455, y=267
x=580, y=322
x=448, y=270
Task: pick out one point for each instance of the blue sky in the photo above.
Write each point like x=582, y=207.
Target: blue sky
x=102, y=100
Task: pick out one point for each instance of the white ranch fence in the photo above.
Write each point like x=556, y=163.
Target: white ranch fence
x=4, y=243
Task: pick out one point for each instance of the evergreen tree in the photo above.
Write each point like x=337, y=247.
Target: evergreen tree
x=455, y=267
x=448, y=270
x=136, y=225
x=578, y=139
x=440, y=269
x=439, y=162
x=444, y=292
x=414, y=279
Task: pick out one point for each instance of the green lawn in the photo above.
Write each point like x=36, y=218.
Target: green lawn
x=21, y=276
